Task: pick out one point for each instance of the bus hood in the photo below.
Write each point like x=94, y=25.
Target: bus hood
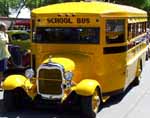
x=67, y=63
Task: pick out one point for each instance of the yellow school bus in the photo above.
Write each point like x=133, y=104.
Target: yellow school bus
x=83, y=52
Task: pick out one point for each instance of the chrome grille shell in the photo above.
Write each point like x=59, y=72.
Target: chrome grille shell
x=50, y=80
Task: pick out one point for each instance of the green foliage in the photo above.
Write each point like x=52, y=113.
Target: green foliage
x=147, y=5
x=136, y=3
x=31, y=4
x=142, y=4
x=6, y=4
x=3, y=6
x=38, y=3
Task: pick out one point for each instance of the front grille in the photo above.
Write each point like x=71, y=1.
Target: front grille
x=50, y=81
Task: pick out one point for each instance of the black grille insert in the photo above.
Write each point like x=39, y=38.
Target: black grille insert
x=50, y=81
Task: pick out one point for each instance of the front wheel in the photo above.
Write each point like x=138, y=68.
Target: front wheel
x=90, y=104
x=15, y=99
x=9, y=100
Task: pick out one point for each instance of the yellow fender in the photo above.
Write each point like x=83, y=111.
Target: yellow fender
x=14, y=81
x=86, y=87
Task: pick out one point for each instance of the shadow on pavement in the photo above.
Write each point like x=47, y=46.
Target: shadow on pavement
x=39, y=113
x=117, y=98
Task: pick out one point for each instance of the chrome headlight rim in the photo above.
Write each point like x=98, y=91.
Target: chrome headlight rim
x=68, y=75
x=29, y=73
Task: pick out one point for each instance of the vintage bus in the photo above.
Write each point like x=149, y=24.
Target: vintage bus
x=82, y=53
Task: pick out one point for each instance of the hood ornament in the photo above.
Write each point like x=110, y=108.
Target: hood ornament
x=50, y=58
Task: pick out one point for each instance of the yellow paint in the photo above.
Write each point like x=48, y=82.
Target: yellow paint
x=105, y=98
x=68, y=64
x=14, y=81
x=89, y=8
x=86, y=87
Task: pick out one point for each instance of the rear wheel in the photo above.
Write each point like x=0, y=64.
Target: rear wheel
x=138, y=73
x=90, y=104
x=147, y=56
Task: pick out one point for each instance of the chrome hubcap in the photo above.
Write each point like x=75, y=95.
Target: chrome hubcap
x=95, y=102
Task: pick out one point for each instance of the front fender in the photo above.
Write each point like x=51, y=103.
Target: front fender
x=86, y=87
x=14, y=81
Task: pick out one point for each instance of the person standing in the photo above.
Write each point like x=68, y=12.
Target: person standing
x=4, y=52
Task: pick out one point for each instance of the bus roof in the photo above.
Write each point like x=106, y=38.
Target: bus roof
x=102, y=8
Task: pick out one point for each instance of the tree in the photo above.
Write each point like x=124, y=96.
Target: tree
x=38, y=3
x=135, y=3
x=142, y=4
x=147, y=8
x=5, y=5
x=147, y=5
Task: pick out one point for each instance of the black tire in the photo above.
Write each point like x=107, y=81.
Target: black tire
x=8, y=102
x=15, y=99
x=136, y=81
x=147, y=55
x=86, y=106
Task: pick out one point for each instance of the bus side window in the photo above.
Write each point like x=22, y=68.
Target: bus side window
x=129, y=31
x=115, y=31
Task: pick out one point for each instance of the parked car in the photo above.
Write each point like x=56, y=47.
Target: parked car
x=20, y=38
x=19, y=47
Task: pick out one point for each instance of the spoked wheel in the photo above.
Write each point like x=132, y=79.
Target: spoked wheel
x=90, y=104
x=95, y=102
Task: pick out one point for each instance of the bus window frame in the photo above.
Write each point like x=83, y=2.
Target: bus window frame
x=96, y=28
x=134, y=27
x=113, y=41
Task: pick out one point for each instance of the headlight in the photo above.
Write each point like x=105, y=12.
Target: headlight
x=29, y=73
x=68, y=76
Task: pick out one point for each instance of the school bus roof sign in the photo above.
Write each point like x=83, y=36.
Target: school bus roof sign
x=55, y=20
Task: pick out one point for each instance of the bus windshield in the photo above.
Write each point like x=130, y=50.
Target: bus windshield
x=66, y=35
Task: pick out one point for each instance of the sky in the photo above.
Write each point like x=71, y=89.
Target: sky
x=25, y=13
